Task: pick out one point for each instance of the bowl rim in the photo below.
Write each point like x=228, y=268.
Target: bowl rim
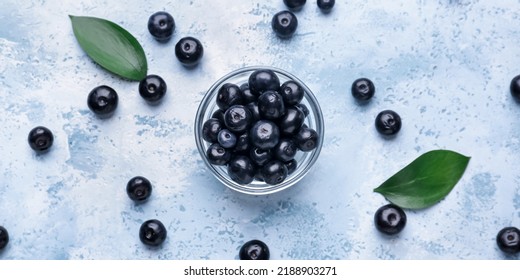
x=249, y=189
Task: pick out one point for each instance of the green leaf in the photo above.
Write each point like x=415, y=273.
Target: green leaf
x=111, y=46
x=426, y=180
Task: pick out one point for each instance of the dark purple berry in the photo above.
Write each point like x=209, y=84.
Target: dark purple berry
x=238, y=118
x=161, y=25
x=228, y=95
x=390, y=219
x=363, y=89
x=259, y=156
x=102, y=100
x=285, y=150
x=292, y=121
x=258, y=175
x=226, y=138
x=271, y=105
x=40, y=139
x=152, y=233
x=210, y=130
x=241, y=169
x=515, y=87
x=274, y=172
x=152, y=89
x=4, y=237
x=254, y=250
x=243, y=144
x=508, y=240
x=303, y=108
x=306, y=139
x=219, y=115
x=263, y=80
x=291, y=92
x=218, y=155
x=255, y=111
x=291, y=166
x=326, y=5
x=189, y=51
x=284, y=24
x=388, y=123
x=247, y=95
x=264, y=134
x=294, y=4
x=139, y=188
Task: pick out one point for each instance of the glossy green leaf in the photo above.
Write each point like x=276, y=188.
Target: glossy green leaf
x=111, y=46
x=426, y=180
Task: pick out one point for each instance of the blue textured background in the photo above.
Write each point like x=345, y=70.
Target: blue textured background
x=444, y=66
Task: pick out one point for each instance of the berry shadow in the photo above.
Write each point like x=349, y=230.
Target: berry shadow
x=194, y=71
x=139, y=206
x=516, y=100
x=388, y=137
x=389, y=237
x=3, y=252
x=156, y=249
x=363, y=106
x=362, y=103
x=155, y=104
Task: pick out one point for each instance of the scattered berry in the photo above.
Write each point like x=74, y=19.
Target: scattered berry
x=515, y=87
x=139, y=189
x=161, y=25
x=388, y=123
x=294, y=4
x=152, y=89
x=284, y=24
x=189, y=51
x=508, y=240
x=40, y=139
x=102, y=100
x=152, y=233
x=254, y=250
x=4, y=237
x=326, y=5
x=390, y=219
x=363, y=89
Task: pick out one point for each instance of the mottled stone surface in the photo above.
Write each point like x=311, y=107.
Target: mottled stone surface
x=444, y=66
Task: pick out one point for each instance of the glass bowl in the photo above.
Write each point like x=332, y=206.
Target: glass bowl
x=305, y=160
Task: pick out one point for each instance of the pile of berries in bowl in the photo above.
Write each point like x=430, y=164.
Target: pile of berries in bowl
x=259, y=130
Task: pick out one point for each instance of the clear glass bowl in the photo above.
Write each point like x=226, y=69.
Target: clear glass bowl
x=305, y=159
